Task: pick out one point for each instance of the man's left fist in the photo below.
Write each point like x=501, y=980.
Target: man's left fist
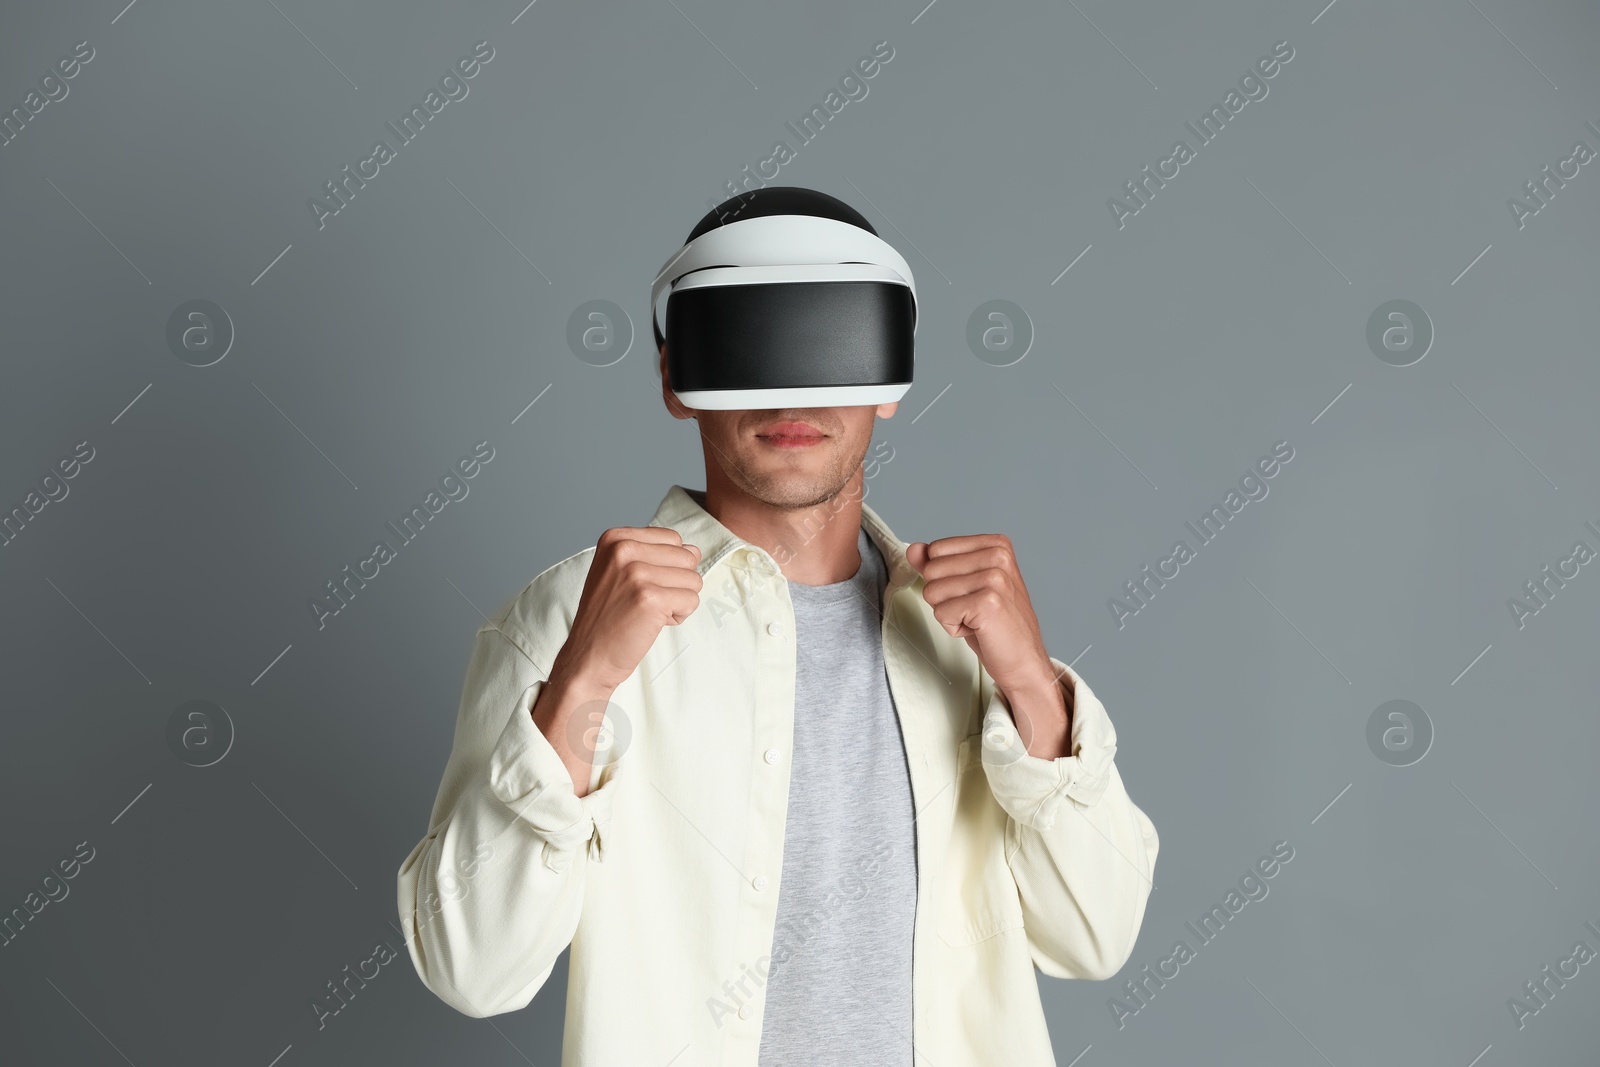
x=977, y=593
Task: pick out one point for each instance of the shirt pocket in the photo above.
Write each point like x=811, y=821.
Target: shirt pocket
x=979, y=896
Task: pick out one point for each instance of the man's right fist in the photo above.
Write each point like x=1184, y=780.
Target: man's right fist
x=640, y=579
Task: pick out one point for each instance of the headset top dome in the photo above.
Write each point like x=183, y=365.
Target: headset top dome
x=769, y=201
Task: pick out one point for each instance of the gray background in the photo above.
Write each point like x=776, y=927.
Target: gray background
x=1226, y=316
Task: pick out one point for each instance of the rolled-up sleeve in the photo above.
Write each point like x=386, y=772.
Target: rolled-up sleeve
x=1081, y=852
x=494, y=892
x=527, y=775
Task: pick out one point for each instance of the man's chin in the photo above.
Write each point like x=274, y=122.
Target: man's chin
x=793, y=490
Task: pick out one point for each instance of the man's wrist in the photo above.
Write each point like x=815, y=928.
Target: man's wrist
x=574, y=682
x=1042, y=712
x=567, y=695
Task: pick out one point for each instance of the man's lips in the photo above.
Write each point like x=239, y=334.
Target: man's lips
x=791, y=429
x=791, y=434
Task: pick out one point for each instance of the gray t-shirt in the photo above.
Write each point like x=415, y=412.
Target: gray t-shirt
x=838, y=992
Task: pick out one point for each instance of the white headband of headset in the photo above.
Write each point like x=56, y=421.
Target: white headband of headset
x=778, y=240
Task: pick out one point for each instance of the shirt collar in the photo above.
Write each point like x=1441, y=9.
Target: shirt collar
x=681, y=509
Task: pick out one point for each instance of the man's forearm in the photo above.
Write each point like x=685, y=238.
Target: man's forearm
x=1043, y=716
x=570, y=709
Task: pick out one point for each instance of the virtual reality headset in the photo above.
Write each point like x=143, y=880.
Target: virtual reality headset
x=786, y=311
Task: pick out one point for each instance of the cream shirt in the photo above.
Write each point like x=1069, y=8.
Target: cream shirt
x=662, y=877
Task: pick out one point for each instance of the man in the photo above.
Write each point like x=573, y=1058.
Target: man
x=794, y=790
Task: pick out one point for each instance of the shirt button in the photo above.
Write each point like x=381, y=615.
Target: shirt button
x=744, y=1011
x=760, y=881
x=775, y=628
x=771, y=755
